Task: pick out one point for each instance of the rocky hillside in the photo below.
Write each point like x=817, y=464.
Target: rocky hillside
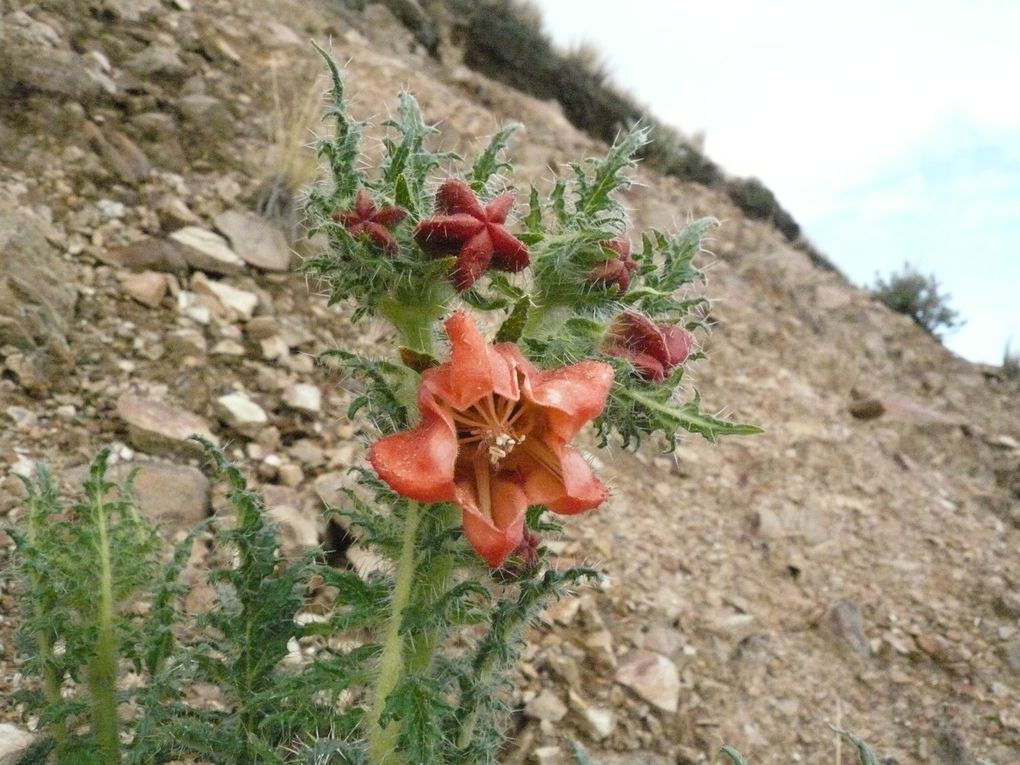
x=857, y=564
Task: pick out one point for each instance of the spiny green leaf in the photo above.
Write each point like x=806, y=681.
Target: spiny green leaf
x=488, y=163
x=417, y=704
x=359, y=602
x=408, y=161
x=636, y=409
x=533, y=220
x=865, y=756
x=594, y=190
x=512, y=327
x=382, y=380
x=733, y=755
x=580, y=754
x=344, y=150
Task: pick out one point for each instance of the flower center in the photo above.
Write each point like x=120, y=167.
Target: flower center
x=494, y=425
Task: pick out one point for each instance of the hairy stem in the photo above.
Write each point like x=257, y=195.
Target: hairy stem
x=433, y=583
x=413, y=320
x=382, y=739
x=43, y=639
x=103, y=667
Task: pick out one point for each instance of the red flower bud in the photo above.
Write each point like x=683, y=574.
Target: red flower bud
x=616, y=270
x=523, y=560
x=655, y=350
x=366, y=218
x=474, y=232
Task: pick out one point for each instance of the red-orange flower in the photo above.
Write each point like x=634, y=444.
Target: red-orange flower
x=366, y=218
x=493, y=439
x=472, y=231
x=655, y=350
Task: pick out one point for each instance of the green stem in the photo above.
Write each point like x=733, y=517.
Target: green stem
x=103, y=668
x=382, y=739
x=413, y=321
x=467, y=728
x=434, y=581
x=43, y=639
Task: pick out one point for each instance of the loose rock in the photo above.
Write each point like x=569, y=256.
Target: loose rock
x=122, y=155
x=546, y=706
x=304, y=397
x=241, y=413
x=206, y=251
x=867, y=409
x=237, y=303
x=147, y=255
x=651, y=676
x=14, y=743
x=599, y=721
x=175, y=496
x=148, y=287
x=299, y=530
x=37, y=296
x=847, y=623
x=256, y=240
x=160, y=428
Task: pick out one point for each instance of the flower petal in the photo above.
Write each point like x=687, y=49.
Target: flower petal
x=510, y=253
x=494, y=539
x=473, y=259
x=389, y=216
x=446, y=233
x=573, y=394
x=621, y=246
x=419, y=463
x=455, y=196
x=497, y=209
x=475, y=369
x=382, y=238
x=679, y=343
x=582, y=488
x=610, y=272
x=363, y=205
x=559, y=478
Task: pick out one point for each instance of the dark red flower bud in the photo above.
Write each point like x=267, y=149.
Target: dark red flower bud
x=366, y=218
x=616, y=270
x=523, y=560
x=655, y=350
x=474, y=232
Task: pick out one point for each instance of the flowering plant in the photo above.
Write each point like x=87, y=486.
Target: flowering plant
x=585, y=329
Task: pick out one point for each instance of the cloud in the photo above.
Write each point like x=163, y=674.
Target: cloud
x=949, y=206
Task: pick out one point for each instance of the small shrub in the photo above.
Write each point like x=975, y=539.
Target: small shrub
x=912, y=293
x=1011, y=363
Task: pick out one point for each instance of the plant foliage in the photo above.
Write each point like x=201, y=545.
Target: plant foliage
x=915, y=295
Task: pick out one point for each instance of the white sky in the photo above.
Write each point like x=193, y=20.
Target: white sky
x=859, y=116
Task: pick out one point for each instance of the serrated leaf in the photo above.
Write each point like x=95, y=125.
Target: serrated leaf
x=533, y=220
x=689, y=417
x=594, y=190
x=418, y=705
x=636, y=409
x=476, y=299
x=488, y=163
x=865, y=756
x=512, y=327
x=733, y=755
x=580, y=754
x=402, y=193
